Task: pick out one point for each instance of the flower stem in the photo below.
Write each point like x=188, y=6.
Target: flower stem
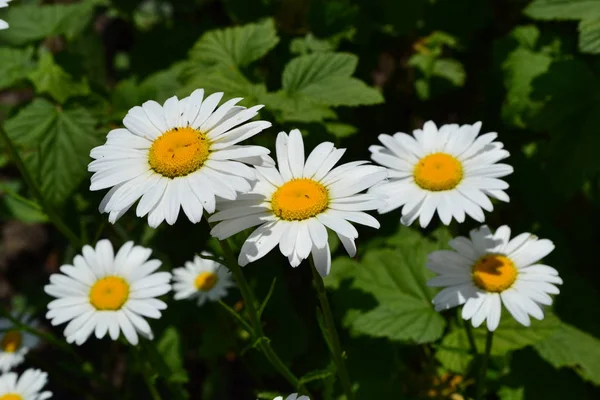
x=48, y=209
x=479, y=388
x=261, y=340
x=333, y=337
x=470, y=337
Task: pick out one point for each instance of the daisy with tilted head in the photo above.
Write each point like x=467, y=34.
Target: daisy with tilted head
x=180, y=155
x=489, y=270
x=28, y=386
x=3, y=23
x=295, y=204
x=203, y=279
x=103, y=292
x=14, y=343
x=449, y=170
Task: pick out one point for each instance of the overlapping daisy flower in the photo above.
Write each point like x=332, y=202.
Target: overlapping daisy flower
x=296, y=203
x=181, y=155
x=202, y=279
x=103, y=292
x=293, y=396
x=15, y=344
x=3, y=23
x=449, y=170
x=489, y=270
x=28, y=386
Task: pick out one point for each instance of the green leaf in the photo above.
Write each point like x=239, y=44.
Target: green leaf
x=296, y=109
x=50, y=78
x=589, y=35
x=17, y=206
x=340, y=130
x=311, y=44
x=54, y=144
x=236, y=46
x=15, y=65
x=570, y=347
x=454, y=351
x=169, y=347
x=563, y=9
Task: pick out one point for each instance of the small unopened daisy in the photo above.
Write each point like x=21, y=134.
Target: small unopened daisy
x=28, y=386
x=293, y=396
x=15, y=344
x=3, y=23
x=202, y=279
x=449, y=170
x=488, y=270
x=295, y=204
x=180, y=155
x=103, y=292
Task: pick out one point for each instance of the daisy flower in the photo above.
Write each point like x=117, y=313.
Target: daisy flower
x=15, y=344
x=449, y=170
x=180, y=155
x=293, y=396
x=488, y=270
x=297, y=202
x=103, y=292
x=202, y=279
x=3, y=23
x=28, y=386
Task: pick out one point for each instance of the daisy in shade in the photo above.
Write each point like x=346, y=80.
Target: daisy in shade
x=295, y=204
x=488, y=270
x=3, y=4
x=28, y=386
x=106, y=293
x=180, y=155
x=449, y=170
x=293, y=396
x=15, y=344
x=203, y=279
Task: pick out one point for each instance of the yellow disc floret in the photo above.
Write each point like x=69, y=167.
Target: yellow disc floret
x=300, y=199
x=11, y=396
x=206, y=281
x=494, y=273
x=438, y=171
x=109, y=293
x=11, y=341
x=179, y=152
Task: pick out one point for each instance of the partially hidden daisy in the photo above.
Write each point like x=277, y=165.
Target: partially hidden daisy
x=3, y=23
x=103, y=292
x=28, y=386
x=489, y=270
x=14, y=343
x=295, y=204
x=449, y=170
x=203, y=279
x=293, y=396
x=180, y=155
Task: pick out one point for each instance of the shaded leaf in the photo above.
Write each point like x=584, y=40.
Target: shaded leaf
x=169, y=347
x=50, y=78
x=15, y=65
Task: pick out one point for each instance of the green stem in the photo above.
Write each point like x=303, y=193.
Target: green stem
x=259, y=336
x=334, y=340
x=480, y=387
x=48, y=209
x=147, y=378
x=470, y=337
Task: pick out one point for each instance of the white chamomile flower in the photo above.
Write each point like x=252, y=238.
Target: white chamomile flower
x=3, y=23
x=103, y=292
x=15, y=344
x=28, y=386
x=488, y=270
x=450, y=170
x=177, y=156
x=295, y=204
x=293, y=396
x=202, y=279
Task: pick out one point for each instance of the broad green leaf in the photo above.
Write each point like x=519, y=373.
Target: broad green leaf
x=589, y=35
x=169, y=346
x=296, y=109
x=563, y=9
x=55, y=144
x=18, y=207
x=50, y=78
x=340, y=130
x=510, y=393
x=236, y=46
x=570, y=347
x=311, y=44
x=454, y=351
x=15, y=65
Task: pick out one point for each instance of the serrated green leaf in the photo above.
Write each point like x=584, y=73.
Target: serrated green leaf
x=570, y=347
x=310, y=44
x=54, y=144
x=169, y=347
x=563, y=9
x=296, y=109
x=236, y=46
x=589, y=35
x=454, y=351
x=50, y=78
x=15, y=65
x=340, y=130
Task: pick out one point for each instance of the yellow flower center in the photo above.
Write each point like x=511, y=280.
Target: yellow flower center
x=494, y=273
x=206, y=281
x=179, y=152
x=109, y=293
x=300, y=199
x=11, y=341
x=438, y=171
x=11, y=396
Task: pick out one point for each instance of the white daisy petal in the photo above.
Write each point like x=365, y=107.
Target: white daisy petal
x=28, y=386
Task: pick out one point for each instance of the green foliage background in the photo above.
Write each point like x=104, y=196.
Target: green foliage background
x=342, y=71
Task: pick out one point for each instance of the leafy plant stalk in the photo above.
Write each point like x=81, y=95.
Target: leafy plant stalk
x=470, y=338
x=480, y=386
x=333, y=337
